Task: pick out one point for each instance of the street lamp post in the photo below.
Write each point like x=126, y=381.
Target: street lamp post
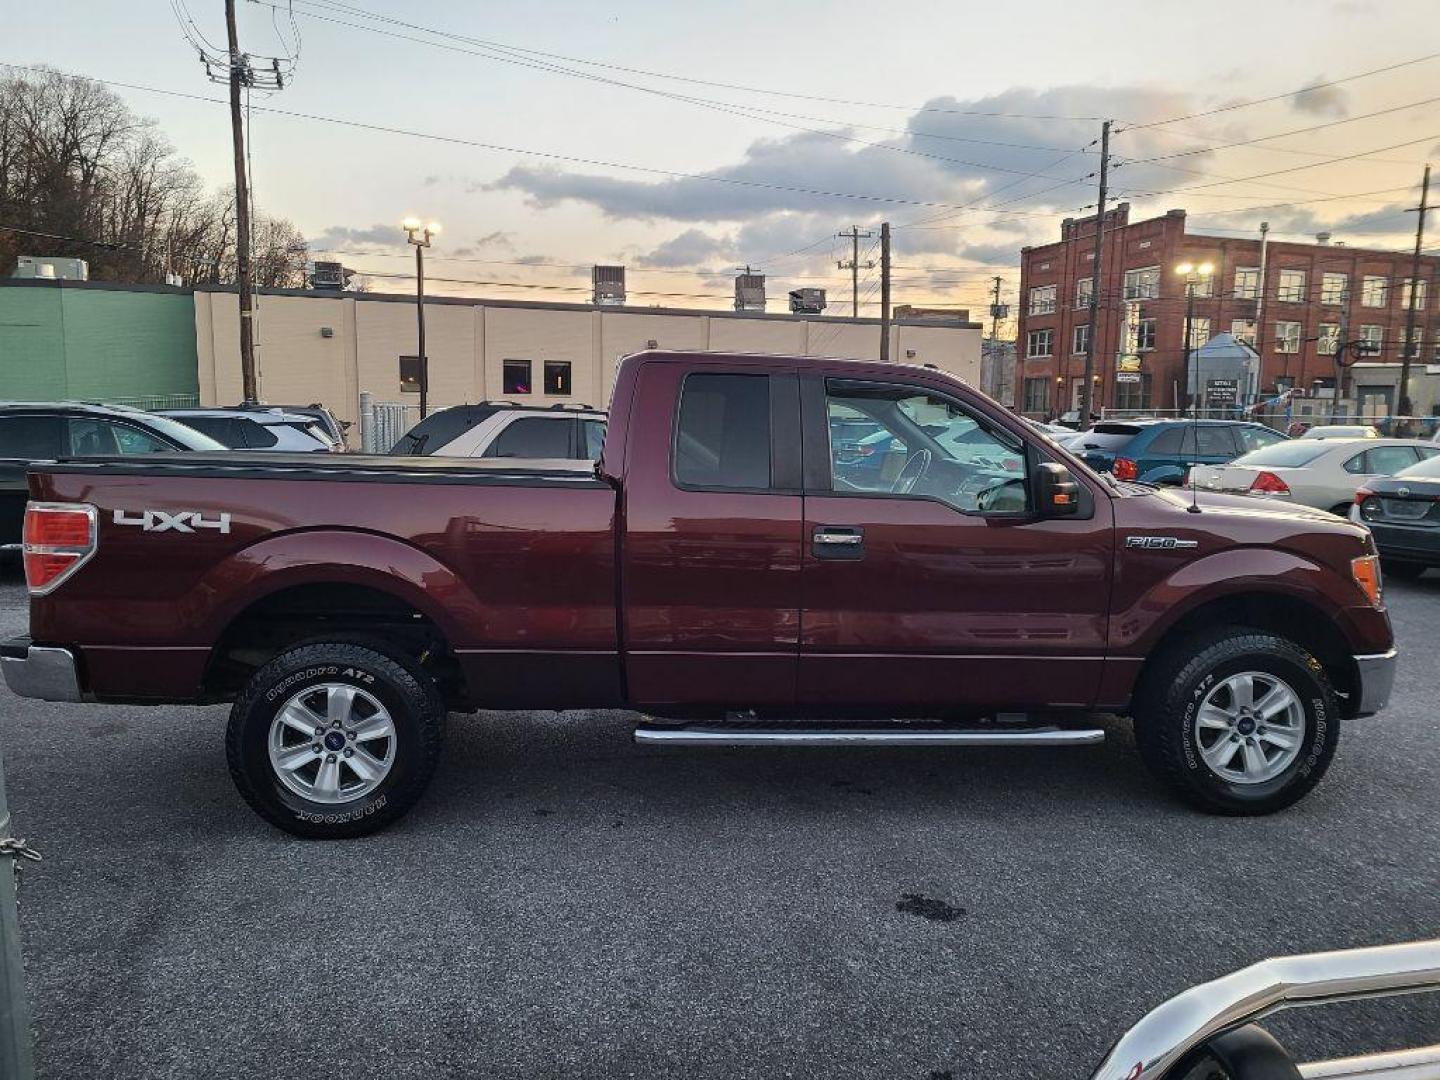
x=420, y=236
x=1194, y=275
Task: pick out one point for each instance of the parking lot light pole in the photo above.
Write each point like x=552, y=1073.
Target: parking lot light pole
x=1194, y=275
x=420, y=235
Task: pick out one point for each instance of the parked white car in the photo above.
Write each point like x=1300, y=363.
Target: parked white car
x=1341, y=431
x=1322, y=473
x=502, y=430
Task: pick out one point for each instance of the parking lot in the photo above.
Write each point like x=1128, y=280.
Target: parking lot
x=564, y=903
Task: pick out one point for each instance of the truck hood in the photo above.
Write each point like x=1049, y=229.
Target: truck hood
x=1249, y=506
x=1242, y=520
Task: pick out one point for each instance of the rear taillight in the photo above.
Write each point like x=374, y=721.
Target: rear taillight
x=1367, y=504
x=1124, y=469
x=1267, y=483
x=59, y=538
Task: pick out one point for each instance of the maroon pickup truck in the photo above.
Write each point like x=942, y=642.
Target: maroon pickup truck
x=771, y=550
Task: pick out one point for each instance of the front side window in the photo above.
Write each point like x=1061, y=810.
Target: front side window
x=1291, y=289
x=722, y=437
x=1039, y=342
x=1374, y=291
x=131, y=440
x=515, y=377
x=533, y=437
x=1256, y=438
x=1287, y=337
x=923, y=445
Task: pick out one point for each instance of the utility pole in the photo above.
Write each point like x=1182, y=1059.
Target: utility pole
x=420, y=236
x=243, y=284
x=1409, y=345
x=1088, y=385
x=855, y=236
x=884, y=291
x=15, y=1052
x=1340, y=347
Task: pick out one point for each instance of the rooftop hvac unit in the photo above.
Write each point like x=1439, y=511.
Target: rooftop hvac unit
x=807, y=301
x=51, y=269
x=749, y=292
x=608, y=284
x=329, y=276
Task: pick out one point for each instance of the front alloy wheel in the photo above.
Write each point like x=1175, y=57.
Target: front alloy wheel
x=1250, y=727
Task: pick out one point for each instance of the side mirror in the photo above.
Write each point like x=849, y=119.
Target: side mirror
x=1057, y=493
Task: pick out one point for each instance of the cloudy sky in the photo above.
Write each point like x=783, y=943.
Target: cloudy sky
x=685, y=140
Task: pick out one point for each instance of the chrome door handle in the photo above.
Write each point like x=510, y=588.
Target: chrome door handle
x=852, y=539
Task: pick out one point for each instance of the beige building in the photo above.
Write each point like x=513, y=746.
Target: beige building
x=313, y=347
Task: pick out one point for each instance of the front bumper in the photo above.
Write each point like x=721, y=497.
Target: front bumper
x=1376, y=679
x=40, y=671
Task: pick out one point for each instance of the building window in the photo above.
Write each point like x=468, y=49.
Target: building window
x=1333, y=287
x=1417, y=342
x=1042, y=300
x=516, y=374
x=1039, y=342
x=1037, y=395
x=1145, y=335
x=1374, y=291
x=1243, y=330
x=1133, y=396
x=1291, y=289
x=1203, y=286
x=1247, y=283
x=1080, y=340
x=1372, y=340
x=1084, y=288
x=409, y=374
x=1199, y=331
x=1405, y=295
x=1328, y=341
x=557, y=377
x=1287, y=337
x=1142, y=284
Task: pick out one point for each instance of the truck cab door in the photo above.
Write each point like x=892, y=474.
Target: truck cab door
x=711, y=544
x=930, y=580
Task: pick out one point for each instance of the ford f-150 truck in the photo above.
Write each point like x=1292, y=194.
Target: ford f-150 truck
x=734, y=570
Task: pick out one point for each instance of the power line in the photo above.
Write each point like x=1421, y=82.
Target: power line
x=1288, y=94
x=548, y=155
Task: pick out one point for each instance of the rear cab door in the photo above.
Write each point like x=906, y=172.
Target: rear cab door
x=711, y=519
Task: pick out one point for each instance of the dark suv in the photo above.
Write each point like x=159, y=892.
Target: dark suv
x=32, y=432
x=1160, y=451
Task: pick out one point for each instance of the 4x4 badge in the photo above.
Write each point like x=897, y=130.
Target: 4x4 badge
x=1159, y=543
x=185, y=521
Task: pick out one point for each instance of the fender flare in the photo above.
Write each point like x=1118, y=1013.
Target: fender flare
x=334, y=556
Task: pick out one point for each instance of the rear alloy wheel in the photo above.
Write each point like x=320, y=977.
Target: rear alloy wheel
x=1237, y=721
x=334, y=740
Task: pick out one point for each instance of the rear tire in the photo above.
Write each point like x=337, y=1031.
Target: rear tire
x=1189, y=692
x=1341, y=509
x=1402, y=571
x=379, y=727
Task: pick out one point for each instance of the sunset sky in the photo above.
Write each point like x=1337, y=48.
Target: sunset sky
x=930, y=115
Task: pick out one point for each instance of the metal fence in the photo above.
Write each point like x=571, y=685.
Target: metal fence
x=1293, y=420
x=157, y=401
x=383, y=422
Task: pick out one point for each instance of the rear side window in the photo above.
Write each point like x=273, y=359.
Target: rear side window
x=1290, y=454
x=1169, y=441
x=1215, y=441
x=1382, y=461
x=223, y=429
x=722, y=438
x=533, y=437
x=256, y=436
x=594, y=437
x=90, y=437
x=30, y=437
x=1108, y=436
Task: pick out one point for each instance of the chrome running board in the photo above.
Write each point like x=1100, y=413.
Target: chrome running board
x=900, y=736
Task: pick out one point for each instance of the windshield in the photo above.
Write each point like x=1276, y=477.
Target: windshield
x=1292, y=454
x=183, y=434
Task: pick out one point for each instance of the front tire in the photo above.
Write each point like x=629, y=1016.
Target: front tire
x=1237, y=721
x=334, y=740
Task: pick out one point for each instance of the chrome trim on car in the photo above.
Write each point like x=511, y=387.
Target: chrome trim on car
x=44, y=672
x=742, y=736
x=1376, y=678
x=1190, y=1019
x=1421, y=1063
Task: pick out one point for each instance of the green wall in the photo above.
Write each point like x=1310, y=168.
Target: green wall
x=96, y=344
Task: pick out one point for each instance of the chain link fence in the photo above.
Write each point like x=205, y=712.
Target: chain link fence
x=157, y=401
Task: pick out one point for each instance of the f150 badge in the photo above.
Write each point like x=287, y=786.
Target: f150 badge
x=1159, y=543
x=185, y=521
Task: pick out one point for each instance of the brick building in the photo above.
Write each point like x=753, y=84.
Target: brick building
x=1309, y=293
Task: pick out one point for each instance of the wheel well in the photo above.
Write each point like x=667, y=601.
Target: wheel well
x=331, y=611
x=1285, y=616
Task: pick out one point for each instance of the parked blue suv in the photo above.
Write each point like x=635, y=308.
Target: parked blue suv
x=1161, y=451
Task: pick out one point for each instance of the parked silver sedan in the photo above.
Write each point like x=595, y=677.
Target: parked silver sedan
x=1322, y=473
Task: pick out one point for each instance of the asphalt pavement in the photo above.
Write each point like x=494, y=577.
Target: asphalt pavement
x=566, y=904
